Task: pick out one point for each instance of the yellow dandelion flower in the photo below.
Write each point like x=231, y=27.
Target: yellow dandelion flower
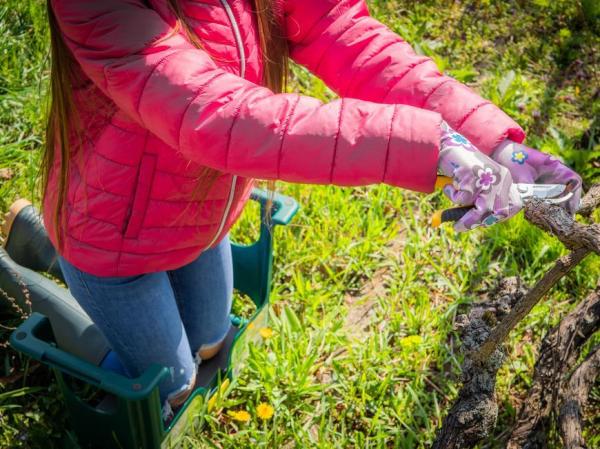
x=239, y=415
x=264, y=411
x=411, y=340
x=266, y=332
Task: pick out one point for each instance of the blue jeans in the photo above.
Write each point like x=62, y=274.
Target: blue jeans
x=163, y=317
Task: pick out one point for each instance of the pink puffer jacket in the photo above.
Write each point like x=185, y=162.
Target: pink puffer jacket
x=156, y=110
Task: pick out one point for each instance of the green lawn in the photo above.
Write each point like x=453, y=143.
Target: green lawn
x=363, y=353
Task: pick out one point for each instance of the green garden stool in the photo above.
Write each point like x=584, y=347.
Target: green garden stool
x=125, y=413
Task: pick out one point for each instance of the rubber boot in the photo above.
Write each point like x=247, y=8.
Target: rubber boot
x=26, y=239
x=73, y=329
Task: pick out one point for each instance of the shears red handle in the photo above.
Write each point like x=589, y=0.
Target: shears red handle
x=447, y=215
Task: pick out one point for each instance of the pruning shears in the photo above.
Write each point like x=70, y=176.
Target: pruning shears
x=552, y=193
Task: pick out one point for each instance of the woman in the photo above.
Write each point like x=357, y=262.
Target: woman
x=164, y=111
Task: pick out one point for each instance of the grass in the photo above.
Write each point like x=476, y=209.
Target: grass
x=386, y=379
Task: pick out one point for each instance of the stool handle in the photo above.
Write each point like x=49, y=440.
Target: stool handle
x=284, y=207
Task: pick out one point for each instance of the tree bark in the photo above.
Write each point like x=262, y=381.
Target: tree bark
x=473, y=415
x=590, y=202
x=575, y=398
x=559, y=351
x=556, y=221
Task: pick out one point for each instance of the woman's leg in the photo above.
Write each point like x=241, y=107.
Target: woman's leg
x=203, y=291
x=139, y=317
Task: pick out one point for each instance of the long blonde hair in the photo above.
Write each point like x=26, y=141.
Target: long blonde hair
x=63, y=124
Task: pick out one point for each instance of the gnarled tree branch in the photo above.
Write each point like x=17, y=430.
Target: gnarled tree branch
x=556, y=221
x=581, y=239
x=473, y=415
x=559, y=351
x=561, y=267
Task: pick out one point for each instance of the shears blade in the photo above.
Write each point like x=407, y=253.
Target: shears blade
x=553, y=193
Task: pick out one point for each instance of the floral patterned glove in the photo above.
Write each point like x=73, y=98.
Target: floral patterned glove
x=478, y=181
x=532, y=166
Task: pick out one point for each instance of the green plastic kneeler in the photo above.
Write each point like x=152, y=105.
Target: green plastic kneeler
x=129, y=417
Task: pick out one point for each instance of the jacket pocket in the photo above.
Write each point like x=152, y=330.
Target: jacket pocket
x=141, y=196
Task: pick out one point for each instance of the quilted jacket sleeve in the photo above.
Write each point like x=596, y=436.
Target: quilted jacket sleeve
x=358, y=57
x=223, y=121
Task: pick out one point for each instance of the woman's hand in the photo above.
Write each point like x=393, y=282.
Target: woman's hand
x=532, y=166
x=478, y=181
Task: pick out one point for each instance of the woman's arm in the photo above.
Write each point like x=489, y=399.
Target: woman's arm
x=359, y=57
x=225, y=122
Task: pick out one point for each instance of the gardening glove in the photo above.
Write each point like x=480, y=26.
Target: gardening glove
x=477, y=181
x=532, y=166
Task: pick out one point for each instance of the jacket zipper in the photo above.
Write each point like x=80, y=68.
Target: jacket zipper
x=237, y=35
x=242, y=54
